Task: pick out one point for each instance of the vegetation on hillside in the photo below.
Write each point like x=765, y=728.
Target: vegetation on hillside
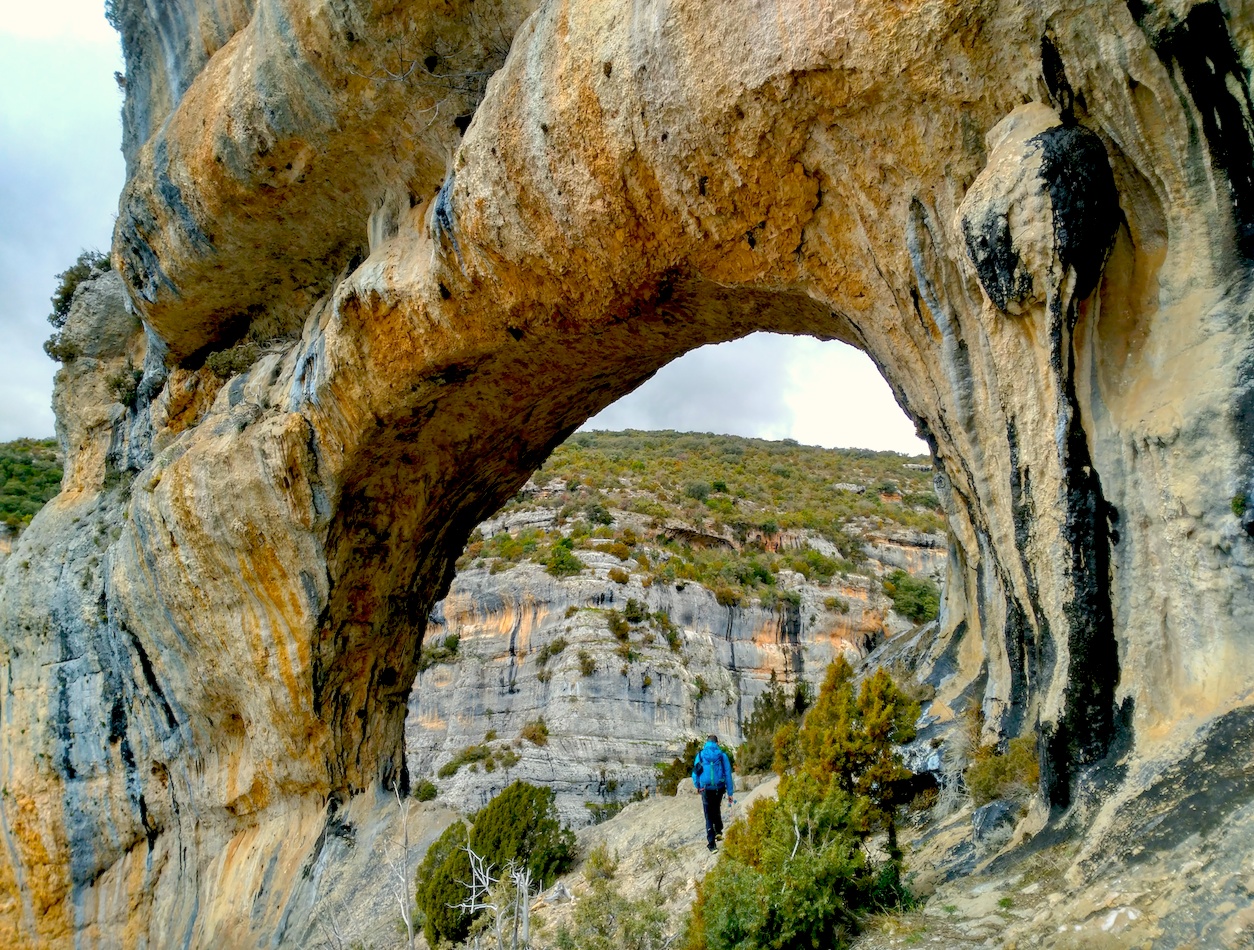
x=726, y=512
x=914, y=597
x=795, y=873
x=30, y=474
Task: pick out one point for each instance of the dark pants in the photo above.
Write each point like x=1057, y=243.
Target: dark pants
x=712, y=803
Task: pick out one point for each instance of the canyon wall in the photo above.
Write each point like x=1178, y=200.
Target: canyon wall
x=374, y=260
x=534, y=647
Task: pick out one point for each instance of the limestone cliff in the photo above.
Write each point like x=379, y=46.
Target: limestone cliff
x=613, y=709
x=372, y=288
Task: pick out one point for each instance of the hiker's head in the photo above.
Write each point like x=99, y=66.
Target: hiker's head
x=712, y=738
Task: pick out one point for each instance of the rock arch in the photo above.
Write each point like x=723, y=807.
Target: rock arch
x=1015, y=210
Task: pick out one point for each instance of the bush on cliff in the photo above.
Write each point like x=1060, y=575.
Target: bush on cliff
x=562, y=562
x=519, y=827
x=670, y=774
x=913, y=597
x=440, y=887
x=57, y=346
x=68, y=281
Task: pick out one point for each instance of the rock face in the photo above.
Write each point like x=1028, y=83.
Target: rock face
x=1036, y=217
x=610, y=725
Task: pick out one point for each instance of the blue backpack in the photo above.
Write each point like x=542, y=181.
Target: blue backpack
x=710, y=768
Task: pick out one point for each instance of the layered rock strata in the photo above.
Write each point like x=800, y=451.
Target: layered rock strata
x=533, y=647
x=1036, y=217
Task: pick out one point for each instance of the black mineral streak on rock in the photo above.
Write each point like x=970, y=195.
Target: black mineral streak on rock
x=1195, y=796
x=1086, y=731
x=1084, y=200
x=1201, y=50
x=1056, y=81
x=996, y=261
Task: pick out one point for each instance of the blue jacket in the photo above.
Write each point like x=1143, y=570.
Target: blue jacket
x=712, y=769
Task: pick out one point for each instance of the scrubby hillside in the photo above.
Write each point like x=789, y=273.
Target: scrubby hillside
x=30, y=474
x=644, y=589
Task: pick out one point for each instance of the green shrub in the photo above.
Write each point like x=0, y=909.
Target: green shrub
x=837, y=605
x=536, y=732
x=618, y=575
x=521, y=825
x=60, y=350
x=596, y=513
x=666, y=627
x=771, y=710
x=68, y=281
x=233, y=360
x=587, y=665
x=618, y=625
x=124, y=385
x=600, y=864
x=446, y=651
x=635, y=611
x=922, y=499
x=30, y=474
x=698, y=490
x=424, y=790
x=601, y=812
x=1014, y=774
x=1239, y=504
x=795, y=874
x=551, y=649
x=440, y=880
x=562, y=562
x=606, y=920
x=780, y=884
x=470, y=755
x=671, y=773
x=729, y=597
x=915, y=598
x=618, y=549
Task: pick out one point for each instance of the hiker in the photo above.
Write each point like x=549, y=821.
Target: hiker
x=712, y=776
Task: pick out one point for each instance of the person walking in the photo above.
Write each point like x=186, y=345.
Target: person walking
x=712, y=776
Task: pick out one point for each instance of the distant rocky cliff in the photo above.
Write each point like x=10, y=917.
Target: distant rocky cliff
x=533, y=647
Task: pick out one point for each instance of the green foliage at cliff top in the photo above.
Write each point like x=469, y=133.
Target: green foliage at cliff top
x=746, y=490
x=750, y=483
x=30, y=474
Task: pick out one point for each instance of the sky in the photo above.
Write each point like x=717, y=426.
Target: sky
x=60, y=174
x=61, y=171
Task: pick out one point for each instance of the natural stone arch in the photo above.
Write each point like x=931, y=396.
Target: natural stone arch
x=636, y=182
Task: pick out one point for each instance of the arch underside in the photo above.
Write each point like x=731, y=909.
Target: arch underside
x=1041, y=263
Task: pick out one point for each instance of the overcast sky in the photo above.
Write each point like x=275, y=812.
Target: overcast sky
x=60, y=175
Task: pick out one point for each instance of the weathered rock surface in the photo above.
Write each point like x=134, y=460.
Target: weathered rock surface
x=1037, y=218
x=609, y=727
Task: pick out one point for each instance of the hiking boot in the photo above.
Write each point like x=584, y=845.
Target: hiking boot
x=711, y=848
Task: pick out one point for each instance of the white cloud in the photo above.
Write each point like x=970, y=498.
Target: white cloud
x=771, y=387
x=839, y=398
x=58, y=20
